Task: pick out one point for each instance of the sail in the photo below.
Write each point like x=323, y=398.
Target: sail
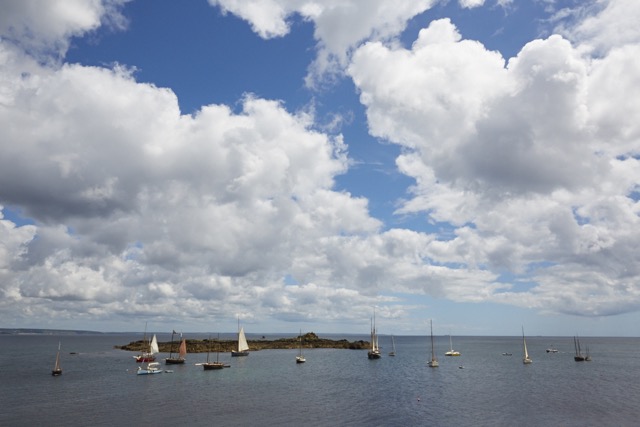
x=57, y=367
x=183, y=349
x=242, y=341
x=154, y=345
x=525, y=359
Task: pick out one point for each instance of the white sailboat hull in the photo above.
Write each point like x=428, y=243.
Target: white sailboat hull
x=151, y=369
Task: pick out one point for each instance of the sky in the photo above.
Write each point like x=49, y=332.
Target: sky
x=299, y=165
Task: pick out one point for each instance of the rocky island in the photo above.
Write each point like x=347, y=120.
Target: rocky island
x=309, y=340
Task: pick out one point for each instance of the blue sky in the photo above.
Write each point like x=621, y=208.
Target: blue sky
x=298, y=163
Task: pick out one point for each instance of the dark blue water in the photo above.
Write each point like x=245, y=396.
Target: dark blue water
x=335, y=387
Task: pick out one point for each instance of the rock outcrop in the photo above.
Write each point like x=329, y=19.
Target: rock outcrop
x=309, y=340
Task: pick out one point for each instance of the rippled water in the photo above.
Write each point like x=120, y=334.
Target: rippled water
x=334, y=387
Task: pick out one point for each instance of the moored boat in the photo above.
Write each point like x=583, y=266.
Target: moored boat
x=182, y=352
x=393, y=347
x=57, y=369
x=210, y=366
x=451, y=351
x=150, y=369
x=433, y=363
x=145, y=356
x=579, y=357
x=300, y=357
x=374, y=352
x=243, y=346
x=525, y=358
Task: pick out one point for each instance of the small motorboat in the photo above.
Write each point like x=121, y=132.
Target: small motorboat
x=151, y=368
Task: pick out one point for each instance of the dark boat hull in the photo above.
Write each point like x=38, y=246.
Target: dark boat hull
x=145, y=359
x=373, y=355
x=56, y=372
x=171, y=361
x=239, y=353
x=212, y=366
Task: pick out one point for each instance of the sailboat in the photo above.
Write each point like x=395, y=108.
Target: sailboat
x=243, y=347
x=152, y=367
x=57, y=370
x=433, y=363
x=525, y=358
x=182, y=352
x=300, y=357
x=393, y=347
x=145, y=356
x=579, y=357
x=209, y=366
x=451, y=351
x=374, y=353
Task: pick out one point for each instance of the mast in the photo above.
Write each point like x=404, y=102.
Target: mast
x=434, y=362
x=57, y=367
x=579, y=349
x=300, y=342
x=217, y=349
x=171, y=348
x=144, y=337
x=373, y=332
x=433, y=355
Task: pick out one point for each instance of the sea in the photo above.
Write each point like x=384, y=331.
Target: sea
x=481, y=387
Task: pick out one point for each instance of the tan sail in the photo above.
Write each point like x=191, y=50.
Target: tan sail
x=183, y=349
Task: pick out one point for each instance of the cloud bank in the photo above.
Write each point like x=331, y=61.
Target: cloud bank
x=534, y=160
x=530, y=163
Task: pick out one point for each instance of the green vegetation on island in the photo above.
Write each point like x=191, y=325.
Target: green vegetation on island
x=309, y=340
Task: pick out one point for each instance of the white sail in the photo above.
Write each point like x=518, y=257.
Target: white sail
x=525, y=358
x=242, y=341
x=154, y=346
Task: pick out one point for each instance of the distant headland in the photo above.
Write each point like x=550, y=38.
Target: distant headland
x=309, y=340
x=38, y=331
